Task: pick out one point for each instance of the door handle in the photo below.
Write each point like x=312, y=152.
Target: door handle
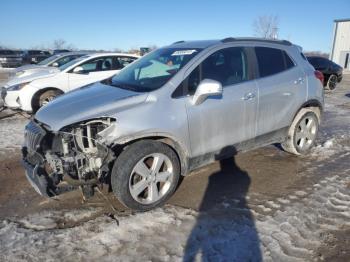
x=248, y=96
x=300, y=80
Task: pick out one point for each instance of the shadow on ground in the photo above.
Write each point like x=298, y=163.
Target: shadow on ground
x=225, y=229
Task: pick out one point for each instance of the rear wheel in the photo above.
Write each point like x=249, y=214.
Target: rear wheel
x=332, y=82
x=302, y=133
x=145, y=175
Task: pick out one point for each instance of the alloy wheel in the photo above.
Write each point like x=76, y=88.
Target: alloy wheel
x=151, y=178
x=332, y=82
x=306, y=132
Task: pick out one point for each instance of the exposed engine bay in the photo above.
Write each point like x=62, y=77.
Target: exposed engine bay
x=75, y=156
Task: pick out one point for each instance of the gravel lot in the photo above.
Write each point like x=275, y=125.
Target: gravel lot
x=260, y=205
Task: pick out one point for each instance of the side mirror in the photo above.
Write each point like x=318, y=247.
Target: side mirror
x=206, y=88
x=78, y=70
x=55, y=64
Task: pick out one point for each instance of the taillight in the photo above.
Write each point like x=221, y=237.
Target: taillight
x=319, y=76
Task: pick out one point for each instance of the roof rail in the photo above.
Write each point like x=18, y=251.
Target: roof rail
x=232, y=39
x=228, y=39
x=178, y=42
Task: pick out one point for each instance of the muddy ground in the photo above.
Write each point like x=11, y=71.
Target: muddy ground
x=265, y=178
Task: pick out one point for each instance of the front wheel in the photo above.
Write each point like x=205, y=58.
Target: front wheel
x=48, y=96
x=145, y=175
x=302, y=133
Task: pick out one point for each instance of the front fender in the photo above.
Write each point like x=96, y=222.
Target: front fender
x=178, y=146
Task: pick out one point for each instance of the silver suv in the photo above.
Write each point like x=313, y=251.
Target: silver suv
x=176, y=109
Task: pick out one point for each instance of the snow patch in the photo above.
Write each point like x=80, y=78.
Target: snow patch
x=11, y=134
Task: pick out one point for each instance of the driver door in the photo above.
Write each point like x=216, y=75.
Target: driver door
x=91, y=71
x=227, y=120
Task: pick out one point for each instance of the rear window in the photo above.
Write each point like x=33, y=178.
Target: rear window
x=272, y=61
x=319, y=62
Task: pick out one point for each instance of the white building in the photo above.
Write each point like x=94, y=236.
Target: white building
x=340, y=52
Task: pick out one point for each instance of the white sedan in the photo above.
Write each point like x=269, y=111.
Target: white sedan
x=31, y=92
x=52, y=61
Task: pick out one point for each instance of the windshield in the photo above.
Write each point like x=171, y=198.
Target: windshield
x=48, y=60
x=153, y=70
x=73, y=62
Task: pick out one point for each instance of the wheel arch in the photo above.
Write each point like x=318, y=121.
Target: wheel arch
x=37, y=94
x=175, y=145
x=312, y=104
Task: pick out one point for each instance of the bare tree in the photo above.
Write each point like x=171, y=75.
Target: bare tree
x=61, y=44
x=266, y=26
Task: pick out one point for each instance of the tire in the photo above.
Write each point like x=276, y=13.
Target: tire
x=332, y=82
x=302, y=133
x=48, y=96
x=138, y=188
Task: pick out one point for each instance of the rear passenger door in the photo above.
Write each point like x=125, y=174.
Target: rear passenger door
x=282, y=85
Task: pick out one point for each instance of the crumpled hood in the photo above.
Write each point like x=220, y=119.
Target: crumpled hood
x=42, y=73
x=91, y=101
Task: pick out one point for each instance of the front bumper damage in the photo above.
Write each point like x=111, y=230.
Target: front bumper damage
x=60, y=162
x=37, y=178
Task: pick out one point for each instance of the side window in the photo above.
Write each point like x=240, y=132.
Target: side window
x=287, y=60
x=121, y=62
x=324, y=63
x=193, y=80
x=107, y=64
x=97, y=64
x=228, y=66
x=66, y=59
x=272, y=61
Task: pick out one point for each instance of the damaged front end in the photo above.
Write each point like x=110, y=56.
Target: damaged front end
x=57, y=162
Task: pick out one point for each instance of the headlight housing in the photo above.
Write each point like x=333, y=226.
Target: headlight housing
x=17, y=87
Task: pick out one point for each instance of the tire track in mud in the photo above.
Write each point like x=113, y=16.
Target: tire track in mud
x=293, y=228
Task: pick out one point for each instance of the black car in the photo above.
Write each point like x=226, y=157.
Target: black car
x=10, y=58
x=59, y=51
x=333, y=73
x=34, y=56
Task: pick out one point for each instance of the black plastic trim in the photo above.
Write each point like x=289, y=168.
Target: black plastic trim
x=232, y=39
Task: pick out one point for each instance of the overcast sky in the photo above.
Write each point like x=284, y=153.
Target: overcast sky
x=105, y=24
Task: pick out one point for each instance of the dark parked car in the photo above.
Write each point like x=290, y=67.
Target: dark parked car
x=59, y=51
x=333, y=73
x=34, y=56
x=10, y=58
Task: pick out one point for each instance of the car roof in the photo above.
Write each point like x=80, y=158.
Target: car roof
x=195, y=44
x=98, y=54
x=207, y=43
x=73, y=53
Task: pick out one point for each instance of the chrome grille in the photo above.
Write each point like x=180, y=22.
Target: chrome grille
x=33, y=136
